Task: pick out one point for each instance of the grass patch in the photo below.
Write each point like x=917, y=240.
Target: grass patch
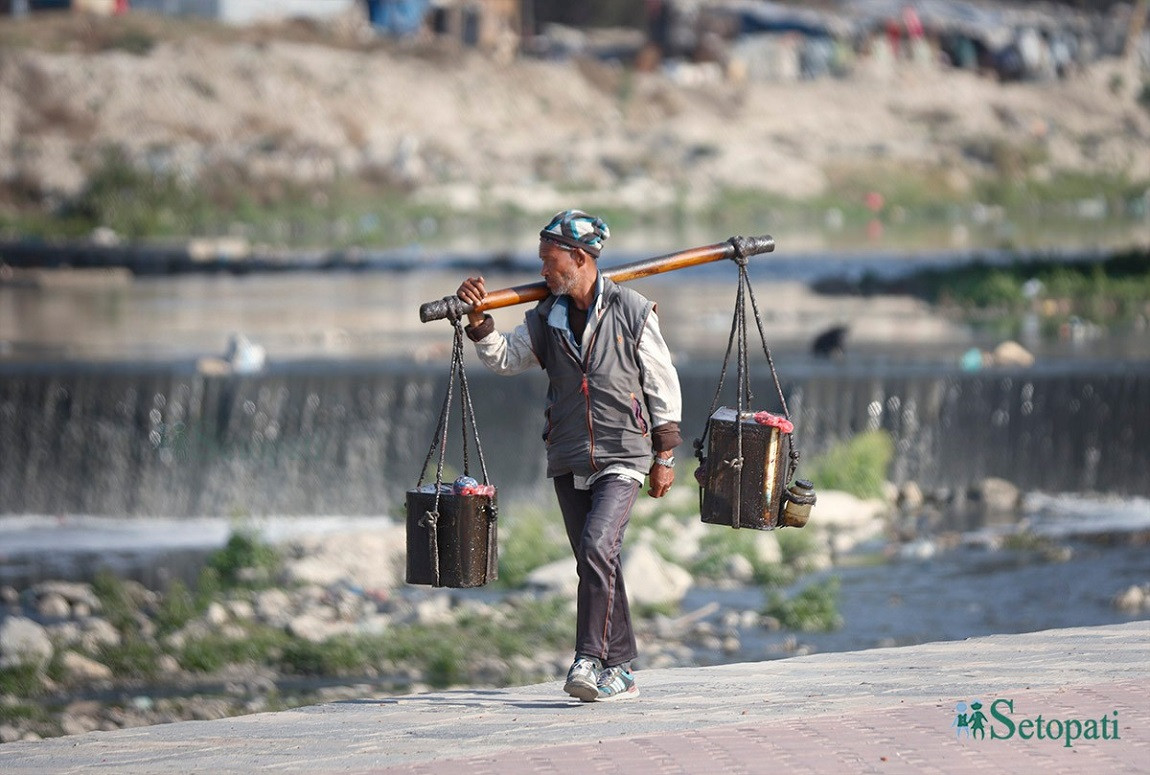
x=22, y=711
x=245, y=562
x=717, y=547
x=21, y=681
x=1115, y=289
x=262, y=645
x=134, y=658
x=447, y=654
x=533, y=538
x=812, y=609
x=121, y=602
x=858, y=466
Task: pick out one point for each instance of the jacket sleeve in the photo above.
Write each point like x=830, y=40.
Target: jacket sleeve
x=504, y=354
x=661, y=386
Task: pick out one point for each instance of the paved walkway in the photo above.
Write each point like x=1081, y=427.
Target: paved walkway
x=884, y=710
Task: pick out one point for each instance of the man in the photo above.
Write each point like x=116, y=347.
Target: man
x=612, y=421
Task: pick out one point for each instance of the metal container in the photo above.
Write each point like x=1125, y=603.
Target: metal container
x=800, y=497
x=454, y=547
x=755, y=491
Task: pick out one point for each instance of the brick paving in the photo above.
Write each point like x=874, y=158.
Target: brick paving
x=883, y=710
x=916, y=739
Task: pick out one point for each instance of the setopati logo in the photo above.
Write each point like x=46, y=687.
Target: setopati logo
x=972, y=722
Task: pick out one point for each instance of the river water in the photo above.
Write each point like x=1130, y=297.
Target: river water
x=98, y=374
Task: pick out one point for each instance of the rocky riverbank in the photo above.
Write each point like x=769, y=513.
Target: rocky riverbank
x=271, y=110
x=328, y=617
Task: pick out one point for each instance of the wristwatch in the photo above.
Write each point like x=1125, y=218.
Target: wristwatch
x=669, y=462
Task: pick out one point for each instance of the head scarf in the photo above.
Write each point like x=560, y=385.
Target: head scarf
x=577, y=229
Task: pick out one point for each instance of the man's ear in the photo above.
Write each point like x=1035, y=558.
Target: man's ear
x=581, y=257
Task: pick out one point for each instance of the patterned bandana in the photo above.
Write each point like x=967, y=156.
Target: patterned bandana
x=577, y=229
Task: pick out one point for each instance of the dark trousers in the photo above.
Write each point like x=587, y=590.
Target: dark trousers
x=595, y=520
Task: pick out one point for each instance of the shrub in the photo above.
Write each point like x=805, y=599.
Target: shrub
x=341, y=655
x=797, y=548
x=813, y=609
x=719, y=545
x=121, y=607
x=262, y=645
x=176, y=609
x=534, y=537
x=134, y=657
x=245, y=561
x=21, y=681
x=858, y=466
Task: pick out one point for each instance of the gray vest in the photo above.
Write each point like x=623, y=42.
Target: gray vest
x=597, y=412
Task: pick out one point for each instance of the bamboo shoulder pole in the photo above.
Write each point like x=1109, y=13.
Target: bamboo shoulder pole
x=734, y=248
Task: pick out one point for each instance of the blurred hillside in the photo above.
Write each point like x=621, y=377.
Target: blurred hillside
x=193, y=115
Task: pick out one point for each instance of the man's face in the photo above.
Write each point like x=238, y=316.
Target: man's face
x=559, y=271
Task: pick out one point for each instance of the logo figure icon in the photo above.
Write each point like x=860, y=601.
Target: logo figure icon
x=977, y=720
x=961, y=721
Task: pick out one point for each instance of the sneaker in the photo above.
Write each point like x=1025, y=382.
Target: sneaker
x=582, y=678
x=616, y=683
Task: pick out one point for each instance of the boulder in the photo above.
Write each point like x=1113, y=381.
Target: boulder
x=368, y=559
x=96, y=632
x=216, y=615
x=314, y=627
x=766, y=546
x=739, y=568
x=995, y=496
x=681, y=539
x=653, y=580
x=847, y=520
x=82, y=668
x=53, y=606
x=910, y=497
x=24, y=642
x=73, y=591
x=1133, y=599
x=559, y=577
x=843, y=511
x=1010, y=353
x=273, y=607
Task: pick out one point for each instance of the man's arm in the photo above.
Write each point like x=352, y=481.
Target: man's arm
x=664, y=402
x=504, y=354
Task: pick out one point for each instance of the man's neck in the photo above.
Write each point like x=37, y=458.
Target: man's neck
x=585, y=293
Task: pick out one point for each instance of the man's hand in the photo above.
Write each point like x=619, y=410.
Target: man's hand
x=473, y=291
x=661, y=479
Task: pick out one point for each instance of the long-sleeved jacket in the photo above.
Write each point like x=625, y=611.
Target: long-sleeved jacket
x=613, y=398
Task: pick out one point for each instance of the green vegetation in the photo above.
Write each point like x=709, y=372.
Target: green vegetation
x=21, y=681
x=1107, y=292
x=534, y=537
x=720, y=544
x=813, y=609
x=858, y=466
x=920, y=204
x=121, y=601
x=245, y=561
x=134, y=657
x=261, y=645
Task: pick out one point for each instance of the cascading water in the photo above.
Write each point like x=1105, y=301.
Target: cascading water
x=348, y=438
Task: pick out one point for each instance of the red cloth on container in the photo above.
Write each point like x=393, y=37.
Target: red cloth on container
x=775, y=421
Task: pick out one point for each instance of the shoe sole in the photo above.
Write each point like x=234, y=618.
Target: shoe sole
x=627, y=695
x=586, y=692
